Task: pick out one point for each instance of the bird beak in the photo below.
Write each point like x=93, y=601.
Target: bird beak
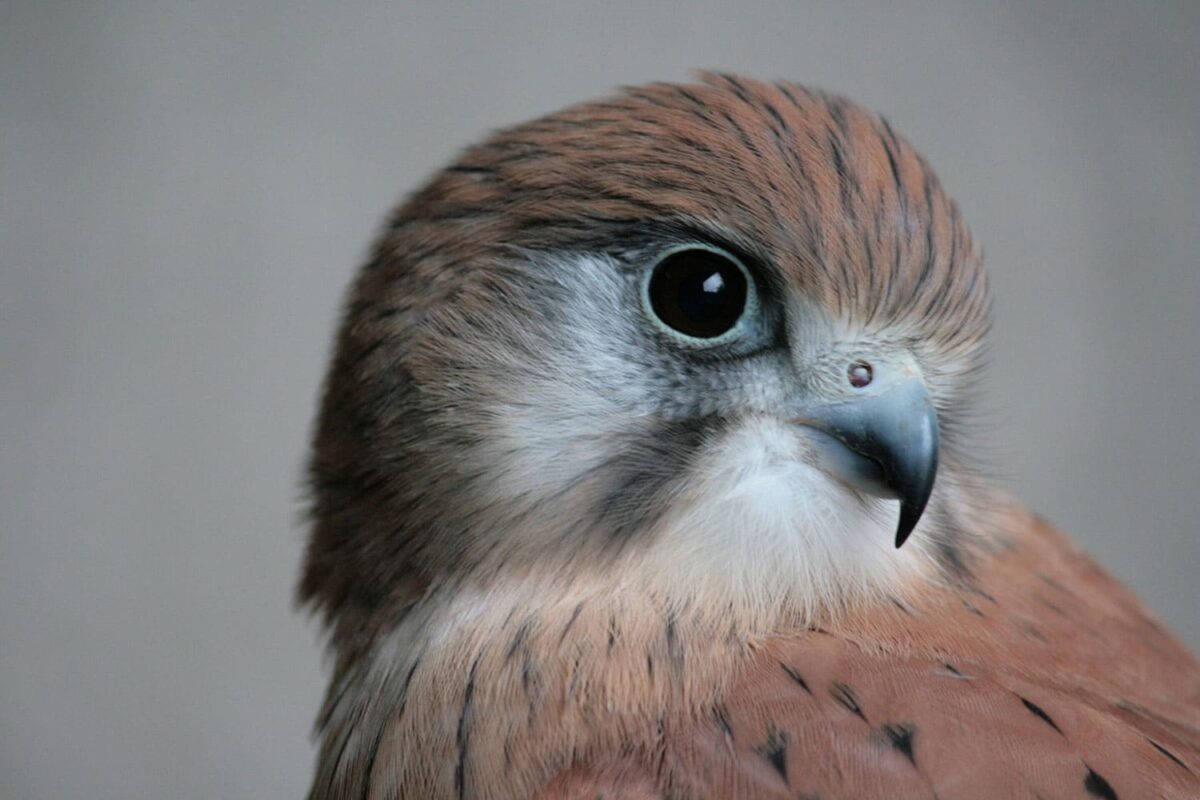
x=884, y=441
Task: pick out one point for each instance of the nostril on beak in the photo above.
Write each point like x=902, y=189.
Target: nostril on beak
x=860, y=374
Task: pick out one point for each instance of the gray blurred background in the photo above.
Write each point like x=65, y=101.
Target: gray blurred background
x=185, y=189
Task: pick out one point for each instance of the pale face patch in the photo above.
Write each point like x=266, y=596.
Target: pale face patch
x=749, y=521
x=689, y=471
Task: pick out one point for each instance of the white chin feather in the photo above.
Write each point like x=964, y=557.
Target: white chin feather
x=759, y=525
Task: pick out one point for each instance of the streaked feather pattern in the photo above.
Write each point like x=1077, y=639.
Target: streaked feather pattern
x=503, y=621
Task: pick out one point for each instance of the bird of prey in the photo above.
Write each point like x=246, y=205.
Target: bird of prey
x=642, y=472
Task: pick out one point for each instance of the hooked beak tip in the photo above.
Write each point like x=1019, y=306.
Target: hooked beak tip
x=909, y=517
x=891, y=447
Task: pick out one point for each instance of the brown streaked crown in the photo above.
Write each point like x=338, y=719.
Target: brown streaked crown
x=806, y=180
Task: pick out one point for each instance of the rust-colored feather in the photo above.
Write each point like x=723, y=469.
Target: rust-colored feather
x=1045, y=678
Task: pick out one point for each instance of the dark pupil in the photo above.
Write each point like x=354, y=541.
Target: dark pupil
x=698, y=293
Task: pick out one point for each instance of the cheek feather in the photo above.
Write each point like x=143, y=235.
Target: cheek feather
x=730, y=504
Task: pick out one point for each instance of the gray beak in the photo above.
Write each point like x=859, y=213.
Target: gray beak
x=885, y=443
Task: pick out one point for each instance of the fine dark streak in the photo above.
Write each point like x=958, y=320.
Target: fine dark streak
x=774, y=750
x=720, y=715
x=518, y=639
x=701, y=108
x=897, y=264
x=837, y=110
x=796, y=676
x=1057, y=609
x=900, y=605
x=369, y=350
x=674, y=651
x=787, y=92
x=1029, y=630
x=529, y=680
x=574, y=679
x=1097, y=786
x=699, y=146
x=512, y=612
x=463, y=738
x=956, y=673
x=639, y=93
x=901, y=736
x=889, y=147
x=469, y=169
x=1037, y=711
x=944, y=303
x=738, y=89
x=774, y=112
x=571, y=622
x=844, y=695
x=1168, y=754
x=845, y=192
x=975, y=590
x=387, y=312
x=930, y=247
x=407, y=682
x=747, y=142
x=974, y=610
x=846, y=182
x=1053, y=584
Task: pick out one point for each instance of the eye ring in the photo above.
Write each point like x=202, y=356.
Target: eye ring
x=699, y=295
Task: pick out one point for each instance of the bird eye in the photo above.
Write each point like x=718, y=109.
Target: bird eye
x=699, y=293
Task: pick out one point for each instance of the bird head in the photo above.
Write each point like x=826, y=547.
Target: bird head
x=714, y=338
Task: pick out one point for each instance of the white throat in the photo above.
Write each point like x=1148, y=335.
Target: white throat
x=760, y=526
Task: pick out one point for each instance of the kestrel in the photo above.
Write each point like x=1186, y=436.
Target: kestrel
x=641, y=472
